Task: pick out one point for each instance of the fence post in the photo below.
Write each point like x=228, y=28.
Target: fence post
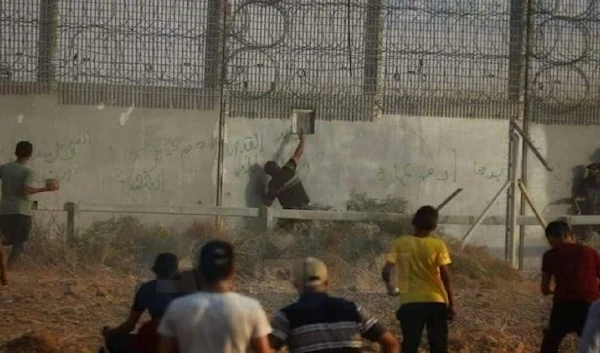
x=47, y=41
x=267, y=217
x=72, y=211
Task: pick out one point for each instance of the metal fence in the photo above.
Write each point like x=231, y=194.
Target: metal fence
x=348, y=59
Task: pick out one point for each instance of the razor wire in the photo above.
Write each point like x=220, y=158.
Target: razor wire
x=448, y=57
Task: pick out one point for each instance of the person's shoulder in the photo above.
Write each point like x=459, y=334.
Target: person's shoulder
x=402, y=239
x=246, y=301
x=291, y=163
x=185, y=302
x=588, y=250
x=548, y=253
x=437, y=240
x=344, y=303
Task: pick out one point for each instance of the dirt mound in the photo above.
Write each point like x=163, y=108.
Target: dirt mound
x=44, y=342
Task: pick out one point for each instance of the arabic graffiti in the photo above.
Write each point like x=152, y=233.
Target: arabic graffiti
x=408, y=172
x=148, y=158
x=64, y=150
x=489, y=173
x=244, y=145
x=135, y=183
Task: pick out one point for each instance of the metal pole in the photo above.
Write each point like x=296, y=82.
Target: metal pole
x=223, y=108
x=537, y=213
x=530, y=144
x=449, y=198
x=485, y=211
x=511, y=201
x=526, y=110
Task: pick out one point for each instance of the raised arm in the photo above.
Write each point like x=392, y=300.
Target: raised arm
x=299, y=150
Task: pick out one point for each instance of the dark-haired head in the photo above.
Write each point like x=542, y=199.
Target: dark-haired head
x=426, y=219
x=559, y=232
x=24, y=150
x=216, y=261
x=166, y=266
x=271, y=168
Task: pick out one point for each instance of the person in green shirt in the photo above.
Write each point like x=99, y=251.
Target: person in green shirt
x=16, y=205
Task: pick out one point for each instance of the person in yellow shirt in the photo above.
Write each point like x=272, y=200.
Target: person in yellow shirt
x=421, y=264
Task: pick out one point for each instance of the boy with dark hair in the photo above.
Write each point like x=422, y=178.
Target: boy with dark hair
x=318, y=322
x=15, y=206
x=423, y=280
x=215, y=320
x=151, y=297
x=575, y=269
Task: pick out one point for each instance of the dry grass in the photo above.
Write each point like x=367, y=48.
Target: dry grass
x=87, y=282
x=45, y=342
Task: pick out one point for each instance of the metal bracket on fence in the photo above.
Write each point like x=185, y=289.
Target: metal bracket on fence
x=485, y=211
x=531, y=146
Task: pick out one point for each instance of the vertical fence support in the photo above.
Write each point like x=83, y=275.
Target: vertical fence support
x=267, y=218
x=47, y=41
x=514, y=149
x=373, y=72
x=72, y=213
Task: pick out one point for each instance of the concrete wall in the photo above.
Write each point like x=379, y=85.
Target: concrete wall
x=418, y=158
x=149, y=156
x=114, y=155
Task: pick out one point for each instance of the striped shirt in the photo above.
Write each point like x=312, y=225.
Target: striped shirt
x=324, y=324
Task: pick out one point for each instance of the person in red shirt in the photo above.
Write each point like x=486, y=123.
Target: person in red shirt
x=575, y=269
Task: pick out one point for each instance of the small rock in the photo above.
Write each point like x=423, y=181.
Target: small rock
x=75, y=290
x=101, y=292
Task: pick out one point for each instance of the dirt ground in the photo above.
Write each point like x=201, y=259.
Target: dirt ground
x=75, y=306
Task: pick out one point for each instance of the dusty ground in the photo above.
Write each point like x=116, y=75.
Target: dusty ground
x=76, y=306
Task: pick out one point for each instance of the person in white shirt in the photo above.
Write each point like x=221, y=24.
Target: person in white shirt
x=590, y=337
x=215, y=320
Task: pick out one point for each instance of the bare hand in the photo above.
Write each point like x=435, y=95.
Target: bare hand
x=392, y=290
x=52, y=184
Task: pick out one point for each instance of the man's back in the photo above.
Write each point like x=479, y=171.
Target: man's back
x=14, y=176
x=214, y=322
x=417, y=262
x=150, y=297
x=288, y=188
x=324, y=324
x=575, y=269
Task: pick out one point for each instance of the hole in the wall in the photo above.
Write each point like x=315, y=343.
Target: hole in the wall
x=303, y=121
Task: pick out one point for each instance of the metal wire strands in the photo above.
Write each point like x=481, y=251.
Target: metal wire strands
x=347, y=59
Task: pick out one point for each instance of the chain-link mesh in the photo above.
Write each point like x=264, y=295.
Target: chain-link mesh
x=150, y=53
x=347, y=59
x=19, y=46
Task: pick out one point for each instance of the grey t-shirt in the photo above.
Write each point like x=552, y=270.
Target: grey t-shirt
x=14, y=177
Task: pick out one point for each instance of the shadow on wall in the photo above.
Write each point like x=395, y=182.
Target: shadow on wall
x=252, y=196
x=256, y=174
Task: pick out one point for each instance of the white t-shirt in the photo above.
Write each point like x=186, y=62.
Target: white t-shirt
x=214, y=322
